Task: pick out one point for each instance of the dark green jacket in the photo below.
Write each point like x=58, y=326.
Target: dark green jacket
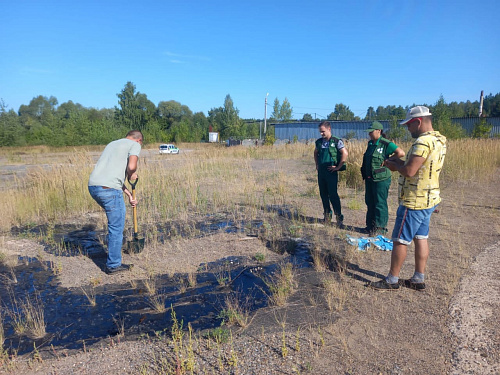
x=373, y=159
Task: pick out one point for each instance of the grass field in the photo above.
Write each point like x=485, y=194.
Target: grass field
x=320, y=320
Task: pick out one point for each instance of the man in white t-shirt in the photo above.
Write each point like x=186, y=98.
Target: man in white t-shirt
x=106, y=186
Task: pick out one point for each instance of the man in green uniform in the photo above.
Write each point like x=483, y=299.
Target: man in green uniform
x=330, y=156
x=377, y=178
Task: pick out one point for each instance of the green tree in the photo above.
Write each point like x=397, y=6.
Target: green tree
x=276, y=110
x=371, y=115
x=11, y=131
x=200, y=126
x=286, y=111
x=225, y=120
x=172, y=111
x=482, y=129
x=396, y=131
x=307, y=117
x=341, y=113
x=441, y=121
x=270, y=137
x=135, y=109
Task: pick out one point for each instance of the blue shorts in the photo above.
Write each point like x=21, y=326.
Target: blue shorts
x=411, y=224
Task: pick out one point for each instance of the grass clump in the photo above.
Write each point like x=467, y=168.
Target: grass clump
x=235, y=312
x=281, y=285
x=336, y=292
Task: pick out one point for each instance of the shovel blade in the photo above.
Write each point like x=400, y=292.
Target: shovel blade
x=135, y=246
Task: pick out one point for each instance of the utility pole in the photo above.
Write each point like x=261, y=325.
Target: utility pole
x=265, y=114
x=481, y=104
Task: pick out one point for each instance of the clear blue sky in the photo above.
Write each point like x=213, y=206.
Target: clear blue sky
x=315, y=53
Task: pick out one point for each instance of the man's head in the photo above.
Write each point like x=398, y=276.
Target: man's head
x=135, y=135
x=325, y=130
x=418, y=120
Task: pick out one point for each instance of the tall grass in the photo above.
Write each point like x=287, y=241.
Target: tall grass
x=208, y=179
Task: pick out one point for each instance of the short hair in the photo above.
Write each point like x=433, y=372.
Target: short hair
x=326, y=124
x=427, y=118
x=135, y=134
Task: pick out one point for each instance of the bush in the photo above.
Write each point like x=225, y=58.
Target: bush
x=482, y=129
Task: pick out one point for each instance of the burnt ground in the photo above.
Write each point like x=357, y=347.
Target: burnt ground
x=452, y=327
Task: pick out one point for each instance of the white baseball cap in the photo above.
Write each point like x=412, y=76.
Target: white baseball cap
x=418, y=111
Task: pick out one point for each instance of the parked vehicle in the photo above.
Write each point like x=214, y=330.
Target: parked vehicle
x=168, y=149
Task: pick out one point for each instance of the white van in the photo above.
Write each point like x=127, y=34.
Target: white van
x=168, y=149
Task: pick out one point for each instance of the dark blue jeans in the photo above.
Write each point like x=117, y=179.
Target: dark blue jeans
x=114, y=206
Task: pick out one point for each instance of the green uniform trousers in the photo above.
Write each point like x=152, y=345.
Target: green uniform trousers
x=376, y=194
x=328, y=182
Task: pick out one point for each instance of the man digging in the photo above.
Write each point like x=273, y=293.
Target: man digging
x=418, y=197
x=106, y=186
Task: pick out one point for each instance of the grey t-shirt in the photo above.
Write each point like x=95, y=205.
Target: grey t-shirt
x=111, y=167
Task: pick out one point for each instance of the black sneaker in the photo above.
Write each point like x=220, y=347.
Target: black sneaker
x=413, y=285
x=383, y=285
x=340, y=221
x=123, y=267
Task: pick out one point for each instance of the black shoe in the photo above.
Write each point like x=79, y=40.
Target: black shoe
x=123, y=267
x=340, y=221
x=383, y=285
x=412, y=285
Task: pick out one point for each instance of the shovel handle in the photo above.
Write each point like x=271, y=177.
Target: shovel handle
x=133, y=183
x=135, y=207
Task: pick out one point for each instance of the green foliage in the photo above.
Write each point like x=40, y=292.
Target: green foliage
x=270, y=137
x=136, y=110
x=283, y=112
x=396, y=131
x=226, y=120
x=441, y=121
x=350, y=135
x=481, y=129
x=341, y=113
x=307, y=117
x=44, y=122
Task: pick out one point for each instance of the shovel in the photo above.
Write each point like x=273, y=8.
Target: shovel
x=137, y=244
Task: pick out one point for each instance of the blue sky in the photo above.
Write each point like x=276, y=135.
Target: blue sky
x=315, y=53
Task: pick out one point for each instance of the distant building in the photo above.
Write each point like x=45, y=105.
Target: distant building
x=356, y=129
x=213, y=137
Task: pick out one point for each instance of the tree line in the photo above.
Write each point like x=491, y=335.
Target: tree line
x=46, y=122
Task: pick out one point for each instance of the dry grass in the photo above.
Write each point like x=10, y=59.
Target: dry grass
x=281, y=285
x=335, y=291
x=50, y=193
x=27, y=315
x=89, y=292
x=235, y=312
